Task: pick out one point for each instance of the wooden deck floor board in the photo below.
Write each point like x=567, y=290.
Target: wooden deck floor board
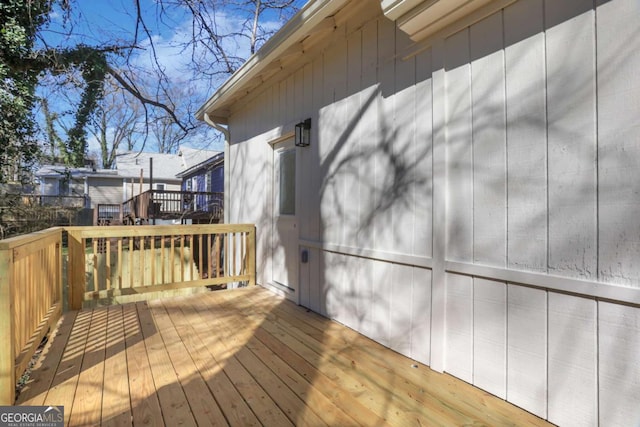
x=377, y=387
x=449, y=391
x=243, y=357
x=174, y=404
x=345, y=403
x=236, y=410
x=289, y=402
x=358, y=402
x=444, y=398
x=145, y=404
x=378, y=375
x=87, y=406
x=64, y=385
x=317, y=404
x=204, y=406
x=47, y=364
x=225, y=350
x=116, y=409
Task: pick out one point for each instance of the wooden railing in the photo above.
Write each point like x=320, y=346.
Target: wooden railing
x=61, y=201
x=107, y=213
x=174, y=203
x=107, y=262
x=30, y=300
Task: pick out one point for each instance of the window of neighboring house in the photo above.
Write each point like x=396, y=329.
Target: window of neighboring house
x=208, y=182
x=160, y=187
x=63, y=187
x=188, y=185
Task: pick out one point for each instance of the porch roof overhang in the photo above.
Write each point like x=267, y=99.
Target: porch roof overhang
x=311, y=28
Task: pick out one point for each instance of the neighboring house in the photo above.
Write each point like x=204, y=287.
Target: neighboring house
x=206, y=181
x=114, y=186
x=163, y=169
x=470, y=193
x=95, y=185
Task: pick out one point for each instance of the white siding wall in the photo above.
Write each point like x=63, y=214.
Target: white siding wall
x=540, y=165
x=538, y=118
x=106, y=191
x=49, y=187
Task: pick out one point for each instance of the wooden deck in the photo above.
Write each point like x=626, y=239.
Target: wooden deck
x=242, y=357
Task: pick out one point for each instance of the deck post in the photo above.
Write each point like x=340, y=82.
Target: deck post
x=7, y=354
x=75, y=271
x=251, y=252
x=58, y=261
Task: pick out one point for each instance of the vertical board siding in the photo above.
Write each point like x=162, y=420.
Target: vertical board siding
x=489, y=142
x=332, y=143
x=380, y=301
x=540, y=106
x=382, y=215
x=353, y=172
x=490, y=336
x=527, y=348
x=459, y=148
x=350, y=291
x=305, y=204
x=368, y=196
x=255, y=187
x=330, y=286
x=316, y=276
x=572, y=146
x=572, y=361
x=365, y=295
x=400, y=314
x=423, y=157
x=421, y=316
x=619, y=364
x=459, y=334
x=402, y=154
x=618, y=62
x=526, y=136
x=304, y=277
x=316, y=169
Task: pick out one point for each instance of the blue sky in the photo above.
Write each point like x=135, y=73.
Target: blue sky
x=98, y=21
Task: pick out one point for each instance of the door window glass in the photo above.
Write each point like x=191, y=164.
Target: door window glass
x=287, y=182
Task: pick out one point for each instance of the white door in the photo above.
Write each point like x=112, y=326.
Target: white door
x=285, y=225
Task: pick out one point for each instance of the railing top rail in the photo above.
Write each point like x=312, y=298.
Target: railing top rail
x=157, y=230
x=17, y=241
x=146, y=193
x=186, y=192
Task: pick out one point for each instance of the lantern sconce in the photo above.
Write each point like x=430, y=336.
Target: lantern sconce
x=303, y=133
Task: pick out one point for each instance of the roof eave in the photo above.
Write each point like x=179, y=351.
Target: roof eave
x=293, y=31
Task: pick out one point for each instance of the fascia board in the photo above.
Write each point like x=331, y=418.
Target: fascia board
x=394, y=9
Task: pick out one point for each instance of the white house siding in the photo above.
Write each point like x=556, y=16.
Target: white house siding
x=105, y=191
x=542, y=149
x=50, y=187
x=522, y=130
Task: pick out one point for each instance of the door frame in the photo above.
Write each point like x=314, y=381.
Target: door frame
x=290, y=290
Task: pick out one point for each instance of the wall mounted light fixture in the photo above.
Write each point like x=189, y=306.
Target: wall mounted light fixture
x=303, y=133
